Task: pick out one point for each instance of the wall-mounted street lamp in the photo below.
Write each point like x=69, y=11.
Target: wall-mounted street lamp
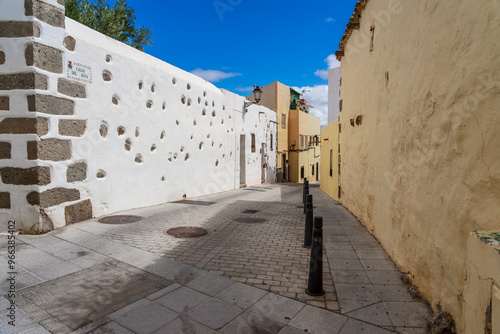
x=257, y=94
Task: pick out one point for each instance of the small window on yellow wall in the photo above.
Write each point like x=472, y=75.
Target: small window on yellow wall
x=253, y=142
x=283, y=121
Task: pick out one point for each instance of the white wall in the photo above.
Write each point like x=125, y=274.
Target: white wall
x=333, y=94
x=196, y=155
x=183, y=132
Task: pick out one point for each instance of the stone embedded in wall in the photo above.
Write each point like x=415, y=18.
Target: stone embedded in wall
x=69, y=43
x=4, y=200
x=76, y=172
x=15, y=29
x=26, y=176
x=49, y=149
x=24, y=125
x=61, y=2
x=5, y=150
x=72, y=127
x=78, y=212
x=2, y=57
x=50, y=104
x=45, y=12
x=44, y=57
x=71, y=88
x=26, y=80
x=51, y=197
x=4, y=102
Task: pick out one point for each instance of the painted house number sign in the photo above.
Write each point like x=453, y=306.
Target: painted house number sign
x=79, y=72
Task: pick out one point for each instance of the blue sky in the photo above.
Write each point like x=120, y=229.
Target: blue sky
x=240, y=43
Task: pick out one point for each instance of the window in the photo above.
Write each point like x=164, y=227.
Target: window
x=312, y=169
x=301, y=142
x=253, y=142
x=331, y=162
x=283, y=121
x=271, y=141
x=302, y=172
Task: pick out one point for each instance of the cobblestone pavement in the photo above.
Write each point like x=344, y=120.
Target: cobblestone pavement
x=239, y=278
x=266, y=255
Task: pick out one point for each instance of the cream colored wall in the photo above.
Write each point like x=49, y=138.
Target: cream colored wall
x=283, y=107
x=423, y=169
x=483, y=277
x=330, y=141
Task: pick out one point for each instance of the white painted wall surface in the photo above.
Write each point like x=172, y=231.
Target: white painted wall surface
x=183, y=130
x=333, y=94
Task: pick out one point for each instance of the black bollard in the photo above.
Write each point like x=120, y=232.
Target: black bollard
x=306, y=192
x=315, y=282
x=309, y=222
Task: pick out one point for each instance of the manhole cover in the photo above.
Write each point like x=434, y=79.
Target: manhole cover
x=119, y=219
x=248, y=220
x=250, y=211
x=187, y=232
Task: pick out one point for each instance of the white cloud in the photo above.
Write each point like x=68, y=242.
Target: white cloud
x=332, y=62
x=330, y=20
x=213, y=75
x=316, y=96
x=244, y=89
x=323, y=74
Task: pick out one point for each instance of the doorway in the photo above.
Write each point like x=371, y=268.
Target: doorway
x=243, y=177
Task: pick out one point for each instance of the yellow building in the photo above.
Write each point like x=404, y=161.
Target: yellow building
x=419, y=145
x=298, y=150
x=329, y=170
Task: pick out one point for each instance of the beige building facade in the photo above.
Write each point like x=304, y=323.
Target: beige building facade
x=329, y=170
x=298, y=152
x=419, y=143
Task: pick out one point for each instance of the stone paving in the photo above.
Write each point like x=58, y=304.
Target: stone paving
x=239, y=278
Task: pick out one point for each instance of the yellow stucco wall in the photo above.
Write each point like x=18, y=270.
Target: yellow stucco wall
x=304, y=124
x=422, y=170
x=329, y=142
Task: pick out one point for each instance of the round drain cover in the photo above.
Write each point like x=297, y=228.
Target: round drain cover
x=187, y=232
x=119, y=219
x=249, y=220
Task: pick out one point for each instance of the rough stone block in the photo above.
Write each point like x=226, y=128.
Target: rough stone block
x=77, y=172
x=61, y=2
x=44, y=12
x=72, y=127
x=69, y=43
x=27, y=80
x=71, y=88
x=50, y=104
x=51, y=197
x=23, y=125
x=26, y=176
x=4, y=102
x=49, y=149
x=14, y=29
x=2, y=57
x=4, y=200
x=44, y=57
x=78, y=212
x=5, y=149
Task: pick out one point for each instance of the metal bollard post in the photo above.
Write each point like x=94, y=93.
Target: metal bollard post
x=315, y=282
x=306, y=192
x=309, y=222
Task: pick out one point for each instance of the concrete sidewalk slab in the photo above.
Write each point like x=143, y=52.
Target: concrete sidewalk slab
x=133, y=278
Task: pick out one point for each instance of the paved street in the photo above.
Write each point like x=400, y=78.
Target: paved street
x=248, y=274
